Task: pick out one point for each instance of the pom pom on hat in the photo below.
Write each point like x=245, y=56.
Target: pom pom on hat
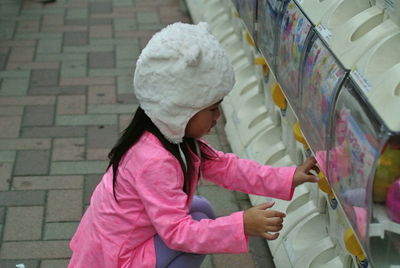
x=182, y=70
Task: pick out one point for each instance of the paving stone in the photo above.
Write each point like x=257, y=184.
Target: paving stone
x=2, y=214
x=27, y=100
x=148, y=17
x=59, y=56
x=128, y=98
x=24, y=65
x=88, y=48
x=23, y=223
x=38, y=115
x=59, y=230
x=124, y=85
x=32, y=162
x=79, y=81
x=233, y=260
x=102, y=136
x=37, y=36
x=112, y=108
x=97, y=154
x=14, y=86
x=68, y=149
x=7, y=156
x=53, y=20
x=52, y=132
x=58, y=90
x=260, y=251
x=111, y=72
x=21, y=54
x=127, y=52
x=35, y=250
x=10, y=126
x=125, y=24
x=17, y=43
x=3, y=61
x=100, y=31
x=150, y=26
x=223, y=200
x=101, y=94
x=15, y=74
x=119, y=41
x=42, y=11
x=71, y=105
x=207, y=263
x=5, y=176
x=121, y=63
x=89, y=120
x=49, y=46
x=28, y=26
x=78, y=168
x=100, y=7
x=54, y=263
x=91, y=181
x=74, y=68
x=63, y=28
x=124, y=121
x=75, y=38
x=22, y=198
x=77, y=13
x=101, y=60
x=47, y=182
x=44, y=77
x=64, y=205
x=11, y=110
x=14, y=263
x=24, y=144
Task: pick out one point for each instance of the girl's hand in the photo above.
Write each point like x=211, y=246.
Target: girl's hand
x=259, y=221
x=303, y=174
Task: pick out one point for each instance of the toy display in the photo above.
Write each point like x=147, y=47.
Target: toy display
x=293, y=32
x=322, y=76
x=269, y=14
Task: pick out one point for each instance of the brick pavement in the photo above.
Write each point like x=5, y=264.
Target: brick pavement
x=65, y=95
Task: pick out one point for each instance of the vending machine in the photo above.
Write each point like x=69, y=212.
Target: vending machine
x=322, y=75
x=293, y=35
x=364, y=171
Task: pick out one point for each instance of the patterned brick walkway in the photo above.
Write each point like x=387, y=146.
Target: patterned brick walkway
x=65, y=95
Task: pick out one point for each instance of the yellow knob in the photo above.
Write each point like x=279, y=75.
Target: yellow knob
x=262, y=61
x=298, y=134
x=323, y=184
x=352, y=245
x=278, y=97
x=250, y=39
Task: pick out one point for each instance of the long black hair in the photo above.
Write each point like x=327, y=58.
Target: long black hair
x=131, y=135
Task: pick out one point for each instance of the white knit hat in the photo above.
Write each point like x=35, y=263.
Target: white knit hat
x=182, y=70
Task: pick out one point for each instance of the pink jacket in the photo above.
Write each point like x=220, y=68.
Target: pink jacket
x=151, y=201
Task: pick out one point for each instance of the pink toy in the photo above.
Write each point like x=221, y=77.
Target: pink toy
x=393, y=201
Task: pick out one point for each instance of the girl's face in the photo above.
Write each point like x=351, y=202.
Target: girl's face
x=202, y=122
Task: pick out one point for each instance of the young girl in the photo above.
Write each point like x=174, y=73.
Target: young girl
x=144, y=212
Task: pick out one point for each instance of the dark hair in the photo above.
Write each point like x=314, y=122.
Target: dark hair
x=142, y=123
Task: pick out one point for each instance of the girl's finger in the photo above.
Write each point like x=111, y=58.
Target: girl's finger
x=274, y=228
x=275, y=221
x=270, y=236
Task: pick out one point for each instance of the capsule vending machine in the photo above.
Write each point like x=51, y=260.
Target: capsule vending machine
x=248, y=12
x=364, y=172
x=293, y=34
x=322, y=76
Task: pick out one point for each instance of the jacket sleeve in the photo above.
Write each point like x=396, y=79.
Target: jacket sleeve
x=248, y=176
x=159, y=186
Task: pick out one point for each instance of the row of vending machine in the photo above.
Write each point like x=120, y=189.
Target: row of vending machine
x=321, y=78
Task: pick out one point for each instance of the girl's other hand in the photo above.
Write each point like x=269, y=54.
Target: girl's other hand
x=303, y=172
x=260, y=220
